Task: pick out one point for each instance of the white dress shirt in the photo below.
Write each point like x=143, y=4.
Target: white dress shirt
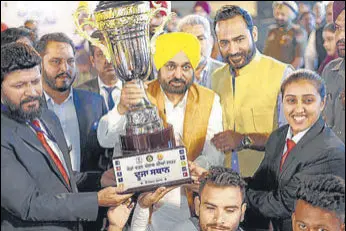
x=115, y=93
x=67, y=115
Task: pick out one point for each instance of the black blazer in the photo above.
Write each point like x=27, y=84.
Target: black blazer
x=90, y=107
x=34, y=195
x=271, y=193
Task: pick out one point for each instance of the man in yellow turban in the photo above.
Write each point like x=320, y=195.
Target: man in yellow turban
x=194, y=111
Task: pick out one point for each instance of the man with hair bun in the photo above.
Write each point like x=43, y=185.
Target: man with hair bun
x=320, y=204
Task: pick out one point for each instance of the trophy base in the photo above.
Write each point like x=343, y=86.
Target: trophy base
x=159, y=140
x=148, y=171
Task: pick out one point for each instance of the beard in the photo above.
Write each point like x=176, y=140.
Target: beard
x=51, y=81
x=18, y=113
x=282, y=23
x=341, y=51
x=245, y=58
x=172, y=89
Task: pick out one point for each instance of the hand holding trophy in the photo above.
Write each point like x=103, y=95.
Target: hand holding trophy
x=149, y=156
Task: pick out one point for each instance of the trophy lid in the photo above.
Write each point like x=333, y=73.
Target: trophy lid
x=104, y=5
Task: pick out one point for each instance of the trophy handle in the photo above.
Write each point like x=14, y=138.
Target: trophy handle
x=159, y=29
x=79, y=27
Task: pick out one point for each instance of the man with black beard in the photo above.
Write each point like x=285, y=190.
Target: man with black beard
x=286, y=41
x=78, y=110
x=38, y=186
x=249, y=88
x=334, y=76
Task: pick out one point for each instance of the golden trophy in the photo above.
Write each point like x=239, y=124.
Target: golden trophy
x=149, y=155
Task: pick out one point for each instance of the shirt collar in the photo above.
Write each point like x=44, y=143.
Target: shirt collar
x=298, y=136
x=50, y=99
x=181, y=104
x=339, y=65
x=118, y=84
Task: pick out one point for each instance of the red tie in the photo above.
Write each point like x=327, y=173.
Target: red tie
x=52, y=154
x=290, y=145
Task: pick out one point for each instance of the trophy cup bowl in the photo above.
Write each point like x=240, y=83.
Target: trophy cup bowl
x=147, y=146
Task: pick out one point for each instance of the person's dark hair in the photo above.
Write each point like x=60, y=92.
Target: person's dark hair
x=230, y=11
x=324, y=191
x=53, y=37
x=13, y=34
x=221, y=176
x=17, y=56
x=305, y=74
x=98, y=35
x=329, y=27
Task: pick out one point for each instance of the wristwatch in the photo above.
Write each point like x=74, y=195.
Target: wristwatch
x=246, y=142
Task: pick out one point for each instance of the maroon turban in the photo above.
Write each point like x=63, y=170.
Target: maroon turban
x=163, y=5
x=338, y=7
x=205, y=5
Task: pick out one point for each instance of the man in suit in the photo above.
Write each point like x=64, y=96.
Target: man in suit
x=200, y=27
x=78, y=110
x=320, y=204
x=304, y=147
x=38, y=186
x=106, y=84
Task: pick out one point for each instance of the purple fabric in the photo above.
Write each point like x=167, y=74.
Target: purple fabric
x=325, y=62
x=205, y=5
x=338, y=7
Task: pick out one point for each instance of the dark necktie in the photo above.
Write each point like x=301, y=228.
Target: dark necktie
x=290, y=145
x=50, y=151
x=110, y=98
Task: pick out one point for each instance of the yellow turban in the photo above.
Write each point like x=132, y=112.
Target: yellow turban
x=170, y=44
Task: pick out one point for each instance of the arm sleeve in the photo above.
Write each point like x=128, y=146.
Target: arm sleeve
x=21, y=197
x=280, y=203
x=140, y=219
x=210, y=155
x=111, y=125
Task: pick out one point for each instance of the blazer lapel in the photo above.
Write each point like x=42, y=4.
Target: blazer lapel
x=81, y=113
x=63, y=148
x=279, y=150
x=31, y=139
x=310, y=135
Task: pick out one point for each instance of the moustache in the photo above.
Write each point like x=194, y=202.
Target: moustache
x=30, y=99
x=236, y=55
x=175, y=80
x=216, y=226
x=62, y=74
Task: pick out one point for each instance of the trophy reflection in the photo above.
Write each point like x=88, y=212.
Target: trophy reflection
x=149, y=155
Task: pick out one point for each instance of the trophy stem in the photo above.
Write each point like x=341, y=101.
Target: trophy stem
x=145, y=103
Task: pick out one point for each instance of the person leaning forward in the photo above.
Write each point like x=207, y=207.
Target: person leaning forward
x=38, y=187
